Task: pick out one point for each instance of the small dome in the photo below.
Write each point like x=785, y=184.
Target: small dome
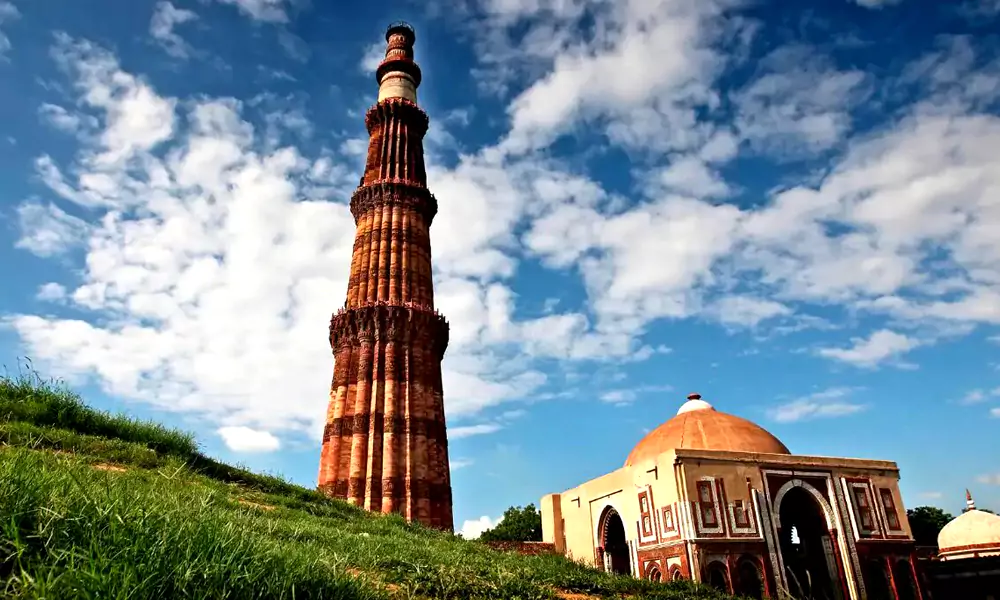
x=698, y=426
x=694, y=403
x=973, y=533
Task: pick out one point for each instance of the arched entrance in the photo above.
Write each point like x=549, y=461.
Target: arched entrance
x=616, y=553
x=717, y=577
x=906, y=586
x=751, y=580
x=876, y=579
x=806, y=547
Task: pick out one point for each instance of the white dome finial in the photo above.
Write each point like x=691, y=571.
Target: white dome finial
x=694, y=402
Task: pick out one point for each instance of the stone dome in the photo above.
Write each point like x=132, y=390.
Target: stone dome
x=973, y=533
x=698, y=426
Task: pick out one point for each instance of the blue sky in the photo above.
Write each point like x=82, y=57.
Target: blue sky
x=791, y=208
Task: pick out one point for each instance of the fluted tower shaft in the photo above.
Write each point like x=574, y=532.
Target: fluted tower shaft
x=385, y=445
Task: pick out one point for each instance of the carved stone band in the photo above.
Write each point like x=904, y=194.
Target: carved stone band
x=389, y=487
x=399, y=108
x=433, y=429
x=394, y=193
x=369, y=324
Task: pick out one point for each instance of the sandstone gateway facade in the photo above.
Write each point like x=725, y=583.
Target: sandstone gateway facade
x=385, y=446
x=715, y=498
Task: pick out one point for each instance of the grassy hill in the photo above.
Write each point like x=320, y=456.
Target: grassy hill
x=94, y=505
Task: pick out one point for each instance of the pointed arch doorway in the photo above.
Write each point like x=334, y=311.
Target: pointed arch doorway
x=806, y=547
x=611, y=530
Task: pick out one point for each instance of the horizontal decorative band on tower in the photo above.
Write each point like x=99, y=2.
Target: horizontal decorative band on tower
x=390, y=323
x=394, y=192
x=400, y=108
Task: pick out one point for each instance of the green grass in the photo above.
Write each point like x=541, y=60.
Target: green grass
x=94, y=505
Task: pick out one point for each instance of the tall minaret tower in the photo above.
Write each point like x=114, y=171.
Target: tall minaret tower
x=385, y=445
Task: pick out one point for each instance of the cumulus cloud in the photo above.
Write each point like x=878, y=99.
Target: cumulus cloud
x=640, y=73
x=798, y=103
x=474, y=528
x=221, y=252
x=47, y=230
x=748, y=311
x=166, y=16
x=244, y=439
x=60, y=118
x=881, y=346
x=829, y=403
x=51, y=292
x=371, y=58
x=219, y=239
x=268, y=11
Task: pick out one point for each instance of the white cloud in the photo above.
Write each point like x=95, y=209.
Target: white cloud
x=371, y=58
x=8, y=12
x=136, y=118
x=641, y=72
x=931, y=495
x=51, y=292
x=166, y=16
x=881, y=346
x=618, y=397
x=798, y=104
x=973, y=397
x=829, y=403
x=457, y=433
x=460, y=463
x=978, y=9
x=269, y=11
x=60, y=118
x=876, y=3
x=244, y=439
x=979, y=396
x=236, y=240
x=991, y=479
x=995, y=412
x=747, y=311
x=47, y=230
x=234, y=221
x=472, y=529
x=690, y=175
x=625, y=396
x=642, y=264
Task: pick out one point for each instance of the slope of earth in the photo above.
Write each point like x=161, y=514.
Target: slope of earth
x=94, y=505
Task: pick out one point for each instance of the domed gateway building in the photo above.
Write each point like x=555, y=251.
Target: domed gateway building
x=715, y=498
x=967, y=564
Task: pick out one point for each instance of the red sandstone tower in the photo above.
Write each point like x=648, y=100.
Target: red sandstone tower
x=385, y=445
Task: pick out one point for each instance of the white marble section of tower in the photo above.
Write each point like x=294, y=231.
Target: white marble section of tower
x=398, y=76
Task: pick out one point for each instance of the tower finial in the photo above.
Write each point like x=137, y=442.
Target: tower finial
x=397, y=75
x=970, y=504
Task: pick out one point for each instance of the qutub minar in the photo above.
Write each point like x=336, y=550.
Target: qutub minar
x=385, y=446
